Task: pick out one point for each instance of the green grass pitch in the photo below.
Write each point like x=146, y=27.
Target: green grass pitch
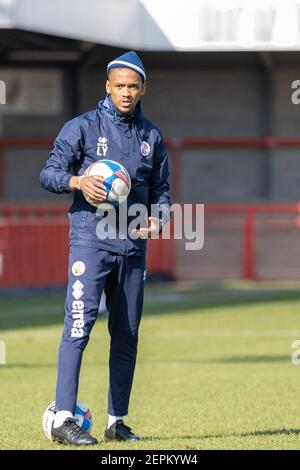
x=214, y=370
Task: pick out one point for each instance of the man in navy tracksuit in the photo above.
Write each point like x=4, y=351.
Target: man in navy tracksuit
x=116, y=130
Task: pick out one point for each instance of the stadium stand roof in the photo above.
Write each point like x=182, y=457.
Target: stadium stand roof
x=168, y=25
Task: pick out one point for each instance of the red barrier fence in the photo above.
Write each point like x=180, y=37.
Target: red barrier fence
x=269, y=237
x=245, y=241
x=34, y=241
x=241, y=241
x=34, y=252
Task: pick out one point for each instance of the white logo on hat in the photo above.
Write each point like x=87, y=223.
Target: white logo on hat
x=78, y=268
x=145, y=149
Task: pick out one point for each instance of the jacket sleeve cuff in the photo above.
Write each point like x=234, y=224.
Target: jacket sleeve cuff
x=65, y=183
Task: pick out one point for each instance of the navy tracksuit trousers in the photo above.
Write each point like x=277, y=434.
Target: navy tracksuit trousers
x=90, y=271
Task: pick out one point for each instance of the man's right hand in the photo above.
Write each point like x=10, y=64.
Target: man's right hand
x=92, y=186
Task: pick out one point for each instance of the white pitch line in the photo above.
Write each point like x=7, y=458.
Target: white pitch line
x=35, y=310
x=251, y=334
x=38, y=310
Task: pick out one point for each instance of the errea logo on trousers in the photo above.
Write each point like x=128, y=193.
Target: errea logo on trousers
x=77, y=289
x=78, y=317
x=77, y=330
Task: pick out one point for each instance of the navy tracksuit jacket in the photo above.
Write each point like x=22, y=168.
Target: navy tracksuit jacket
x=116, y=265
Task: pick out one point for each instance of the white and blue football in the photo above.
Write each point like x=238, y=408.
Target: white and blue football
x=82, y=414
x=116, y=180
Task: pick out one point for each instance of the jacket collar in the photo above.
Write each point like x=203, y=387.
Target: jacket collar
x=107, y=106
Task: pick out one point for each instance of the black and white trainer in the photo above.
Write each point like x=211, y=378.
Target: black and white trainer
x=70, y=433
x=120, y=432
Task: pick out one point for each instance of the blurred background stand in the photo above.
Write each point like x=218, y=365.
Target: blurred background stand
x=221, y=78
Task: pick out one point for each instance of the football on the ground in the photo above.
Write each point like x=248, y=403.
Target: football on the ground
x=116, y=181
x=82, y=414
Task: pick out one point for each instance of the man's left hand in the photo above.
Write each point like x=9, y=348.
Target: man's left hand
x=153, y=229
